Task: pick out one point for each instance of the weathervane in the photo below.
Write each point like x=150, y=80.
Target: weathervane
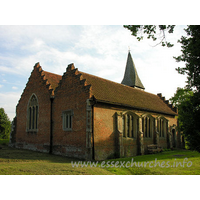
x=129, y=49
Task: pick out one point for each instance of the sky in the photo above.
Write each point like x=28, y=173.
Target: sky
x=100, y=50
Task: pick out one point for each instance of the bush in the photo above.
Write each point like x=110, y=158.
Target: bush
x=4, y=141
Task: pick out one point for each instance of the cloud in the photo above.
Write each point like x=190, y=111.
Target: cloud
x=10, y=70
x=14, y=88
x=1, y=86
x=98, y=50
x=19, y=37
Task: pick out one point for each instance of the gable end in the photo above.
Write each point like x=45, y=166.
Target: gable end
x=71, y=71
x=167, y=103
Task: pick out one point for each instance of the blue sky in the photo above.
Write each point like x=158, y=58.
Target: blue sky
x=98, y=50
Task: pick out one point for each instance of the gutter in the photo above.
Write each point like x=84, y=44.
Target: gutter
x=51, y=127
x=128, y=106
x=93, y=152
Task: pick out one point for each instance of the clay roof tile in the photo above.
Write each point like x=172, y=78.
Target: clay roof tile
x=53, y=79
x=109, y=91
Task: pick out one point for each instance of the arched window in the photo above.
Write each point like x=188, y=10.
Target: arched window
x=162, y=128
x=130, y=124
x=148, y=123
x=32, y=121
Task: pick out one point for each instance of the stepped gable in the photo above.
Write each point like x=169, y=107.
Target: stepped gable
x=118, y=94
x=72, y=71
x=111, y=92
x=51, y=80
x=167, y=103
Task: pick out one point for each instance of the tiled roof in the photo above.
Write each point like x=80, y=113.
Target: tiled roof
x=53, y=79
x=116, y=93
x=119, y=94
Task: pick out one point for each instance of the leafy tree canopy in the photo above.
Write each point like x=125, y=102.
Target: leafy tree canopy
x=5, y=125
x=182, y=100
x=181, y=96
x=191, y=57
x=151, y=32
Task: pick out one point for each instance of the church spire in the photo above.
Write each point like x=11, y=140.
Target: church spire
x=131, y=77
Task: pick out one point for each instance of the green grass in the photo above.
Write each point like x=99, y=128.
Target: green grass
x=16, y=161
x=24, y=162
x=165, y=163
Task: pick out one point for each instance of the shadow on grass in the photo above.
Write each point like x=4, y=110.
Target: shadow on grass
x=13, y=154
x=19, y=161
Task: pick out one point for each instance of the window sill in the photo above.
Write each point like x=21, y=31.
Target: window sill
x=67, y=129
x=129, y=138
x=32, y=131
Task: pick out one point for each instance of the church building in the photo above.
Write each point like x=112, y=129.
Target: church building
x=84, y=116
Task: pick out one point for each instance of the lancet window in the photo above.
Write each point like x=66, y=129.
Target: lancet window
x=148, y=124
x=130, y=124
x=162, y=126
x=32, y=122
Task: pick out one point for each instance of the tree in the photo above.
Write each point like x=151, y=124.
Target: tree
x=151, y=31
x=189, y=105
x=181, y=95
x=191, y=56
x=182, y=100
x=5, y=125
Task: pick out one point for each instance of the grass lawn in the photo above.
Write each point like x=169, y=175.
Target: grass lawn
x=24, y=162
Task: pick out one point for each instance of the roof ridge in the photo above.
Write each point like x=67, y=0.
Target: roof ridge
x=80, y=72
x=96, y=85
x=122, y=85
x=52, y=73
x=100, y=93
x=103, y=78
x=72, y=70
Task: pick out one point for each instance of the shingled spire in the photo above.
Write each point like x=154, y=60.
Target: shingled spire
x=131, y=77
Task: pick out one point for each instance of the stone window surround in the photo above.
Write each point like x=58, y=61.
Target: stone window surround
x=148, y=126
x=130, y=125
x=32, y=114
x=153, y=121
x=162, y=126
x=67, y=117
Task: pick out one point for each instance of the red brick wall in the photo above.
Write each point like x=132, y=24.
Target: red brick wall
x=40, y=140
x=71, y=94
x=130, y=147
x=105, y=136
